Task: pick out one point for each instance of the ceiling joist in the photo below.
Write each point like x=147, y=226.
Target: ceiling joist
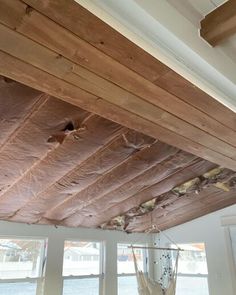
x=220, y=24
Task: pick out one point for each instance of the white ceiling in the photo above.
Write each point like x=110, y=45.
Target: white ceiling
x=169, y=30
x=195, y=10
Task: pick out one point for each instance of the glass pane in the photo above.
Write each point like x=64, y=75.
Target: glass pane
x=125, y=262
x=193, y=259
x=81, y=258
x=127, y=286
x=81, y=286
x=25, y=288
x=20, y=258
x=191, y=286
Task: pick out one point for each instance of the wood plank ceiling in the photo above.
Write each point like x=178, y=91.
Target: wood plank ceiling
x=62, y=165
x=65, y=51
x=123, y=130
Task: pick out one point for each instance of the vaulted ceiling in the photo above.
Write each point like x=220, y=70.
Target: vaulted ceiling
x=102, y=134
x=65, y=166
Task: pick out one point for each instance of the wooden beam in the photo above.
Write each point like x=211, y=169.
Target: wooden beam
x=80, y=23
x=29, y=75
x=56, y=60
x=56, y=38
x=220, y=24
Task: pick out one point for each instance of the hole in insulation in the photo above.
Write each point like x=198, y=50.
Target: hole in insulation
x=69, y=127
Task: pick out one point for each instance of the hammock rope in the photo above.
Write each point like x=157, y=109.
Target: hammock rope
x=147, y=286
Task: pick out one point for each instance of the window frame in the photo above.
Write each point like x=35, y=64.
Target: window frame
x=145, y=261
x=189, y=275
x=39, y=280
x=101, y=260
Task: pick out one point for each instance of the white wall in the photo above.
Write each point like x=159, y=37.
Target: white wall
x=209, y=229
x=56, y=238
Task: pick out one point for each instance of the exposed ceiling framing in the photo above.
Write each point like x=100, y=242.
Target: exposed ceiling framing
x=65, y=51
x=102, y=134
x=220, y=24
x=62, y=165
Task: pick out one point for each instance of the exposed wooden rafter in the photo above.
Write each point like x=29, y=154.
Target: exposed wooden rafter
x=65, y=51
x=219, y=24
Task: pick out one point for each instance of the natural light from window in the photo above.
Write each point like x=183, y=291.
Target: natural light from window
x=192, y=270
x=21, y=266
x=127, y=283
x=82, y=268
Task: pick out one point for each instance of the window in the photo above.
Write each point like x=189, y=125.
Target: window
x=82, y=268
x=127, y=283
x=21, y=266
x=192, y=270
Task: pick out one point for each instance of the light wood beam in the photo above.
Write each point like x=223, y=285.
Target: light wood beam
x=220, y=24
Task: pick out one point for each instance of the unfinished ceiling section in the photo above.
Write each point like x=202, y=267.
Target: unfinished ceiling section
x=103, y=135
x=69, y=53
x=65, y=166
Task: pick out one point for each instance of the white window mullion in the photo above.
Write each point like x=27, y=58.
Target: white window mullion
x=53, y=272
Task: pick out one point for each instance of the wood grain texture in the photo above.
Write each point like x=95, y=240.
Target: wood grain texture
x=49, y=61
x=67, y=15
x=219, y=24
x=84, y=24
x=119, y=87
x=64, y=42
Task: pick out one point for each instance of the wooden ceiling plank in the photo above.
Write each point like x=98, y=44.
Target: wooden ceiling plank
x=186, y=91
x=219, y=24
x=88, y=27
x=96, y=61
x=179, y=114
x=65, y=43
x=104, y=39
x=12, y=12
x=69, y=66
x=60, y=67
x=13, y=68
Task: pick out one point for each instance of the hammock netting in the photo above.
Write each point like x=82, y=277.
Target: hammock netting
x=147, y=286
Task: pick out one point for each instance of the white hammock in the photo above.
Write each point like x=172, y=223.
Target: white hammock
x=146, y=286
